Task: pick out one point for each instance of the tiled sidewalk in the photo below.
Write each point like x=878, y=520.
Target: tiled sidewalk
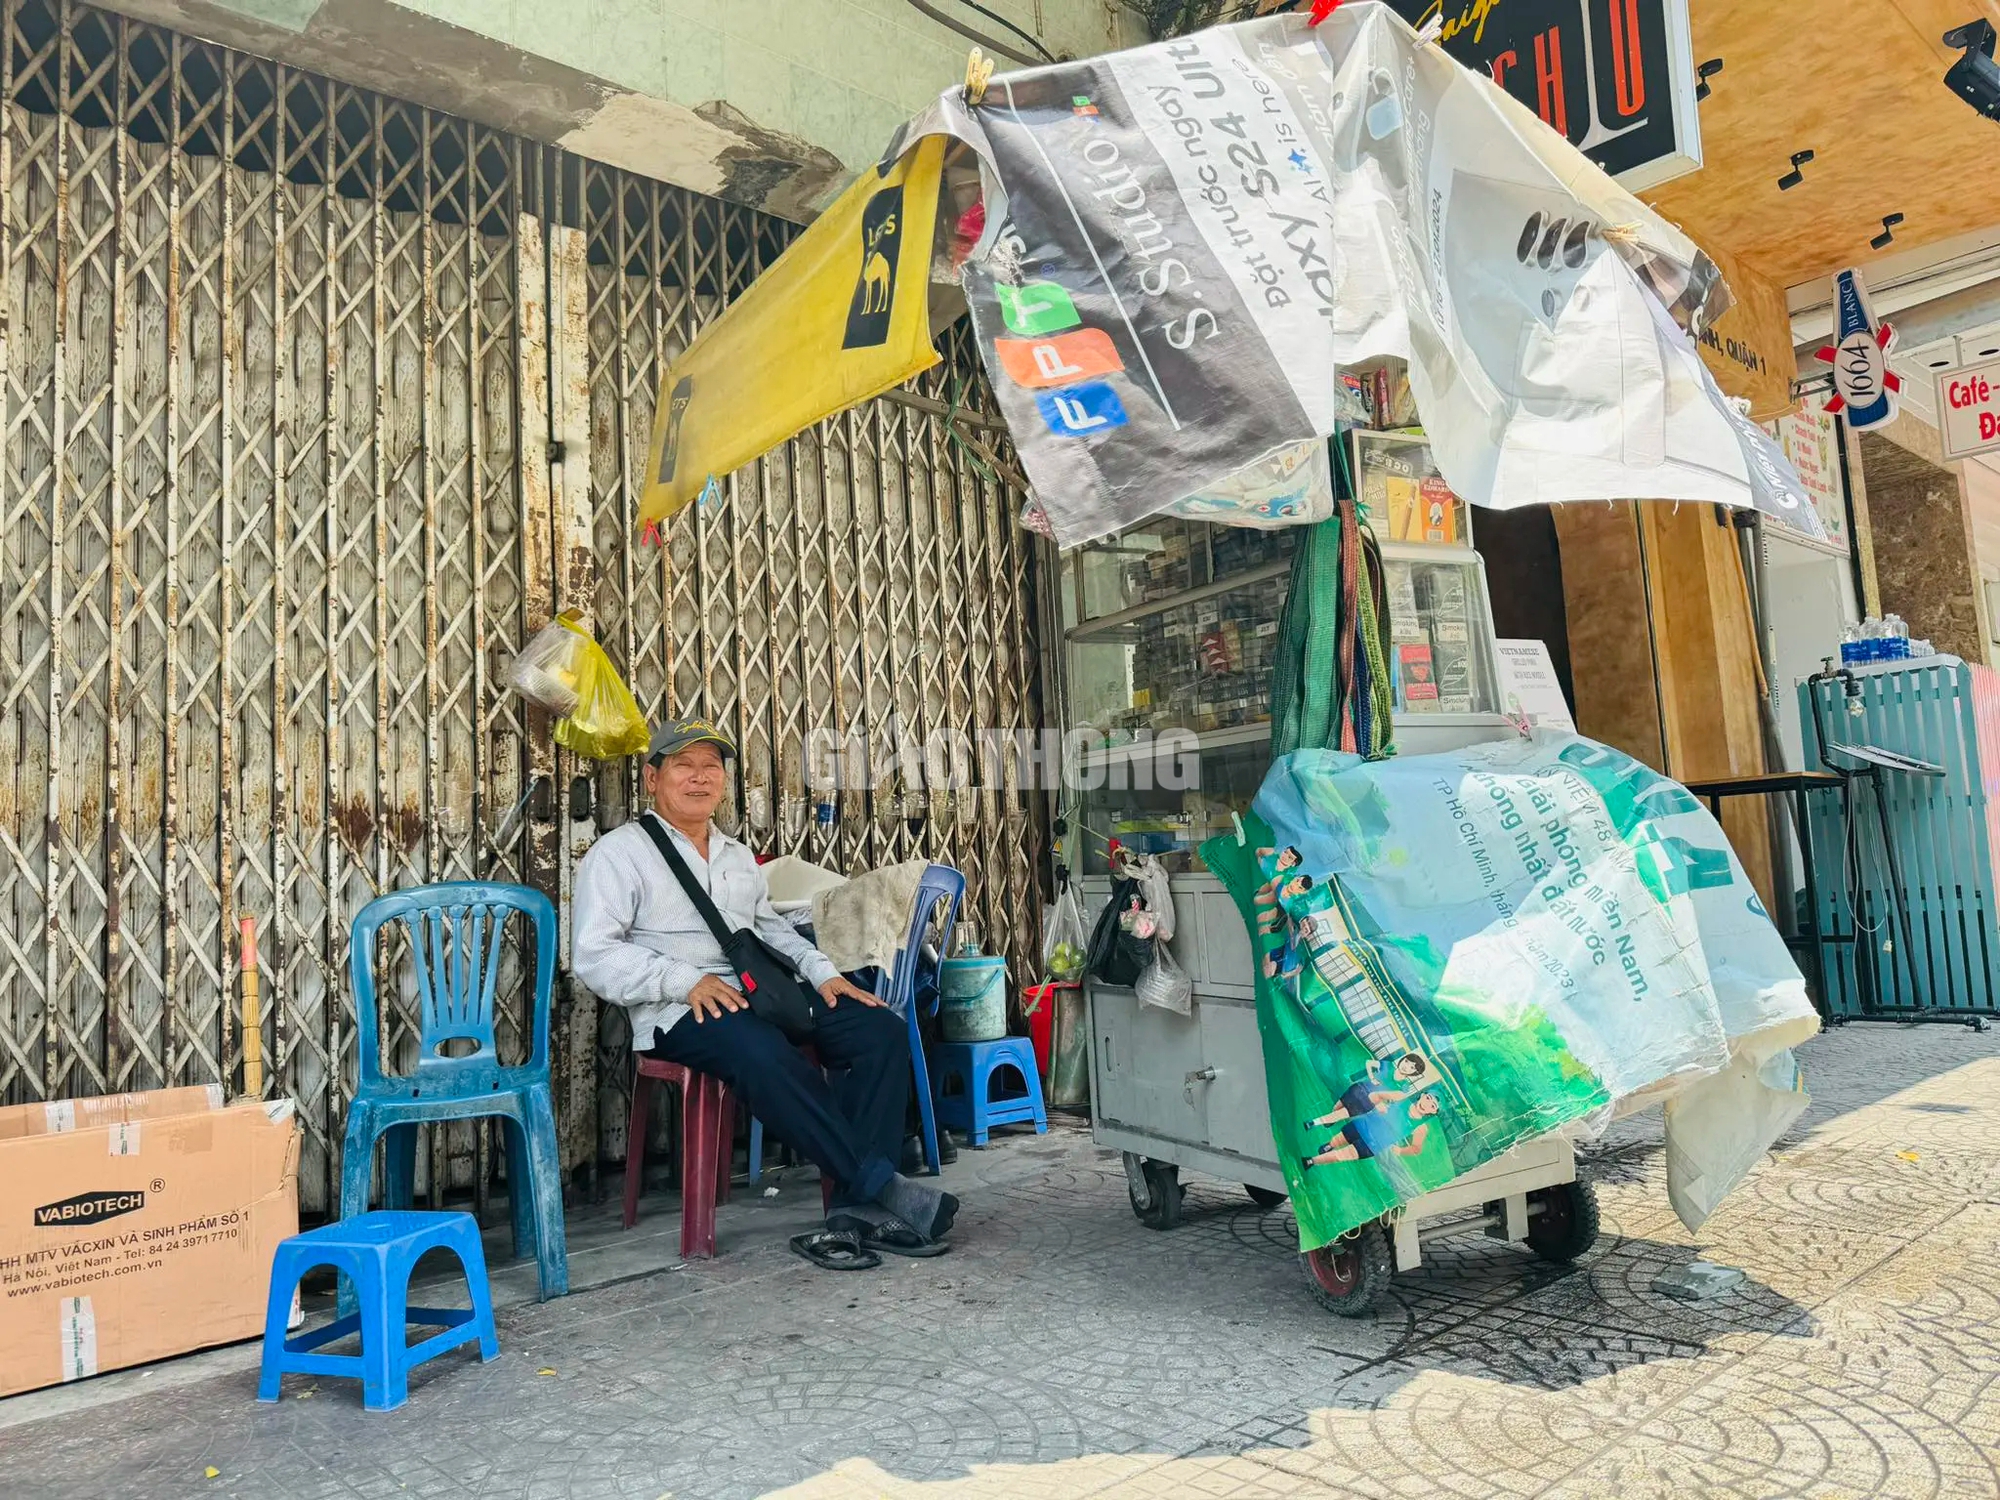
x=1064, y=1350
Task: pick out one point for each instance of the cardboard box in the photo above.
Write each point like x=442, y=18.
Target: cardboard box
x=147, y=1234
x=59, y=1115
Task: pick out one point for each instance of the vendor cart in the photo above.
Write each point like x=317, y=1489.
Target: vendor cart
x=1170, y=627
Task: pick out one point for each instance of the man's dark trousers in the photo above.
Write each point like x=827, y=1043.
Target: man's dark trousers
x=851, y=1127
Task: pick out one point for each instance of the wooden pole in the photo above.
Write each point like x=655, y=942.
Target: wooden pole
x=253, y=1029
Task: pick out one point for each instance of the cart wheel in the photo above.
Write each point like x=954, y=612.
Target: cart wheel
x=1264, y=1198
x=1155, y=1190
x=1348, y=1276
x=1562, y=1220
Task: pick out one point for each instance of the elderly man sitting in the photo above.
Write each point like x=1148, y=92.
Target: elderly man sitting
x=641, y=942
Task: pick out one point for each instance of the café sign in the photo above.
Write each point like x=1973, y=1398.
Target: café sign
x=1969, y=409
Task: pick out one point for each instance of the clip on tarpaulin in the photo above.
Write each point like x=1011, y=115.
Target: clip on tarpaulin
x=1321, y=10
x=711, y=495
x=978, y=70
x=1242, y=838
x=651, y=534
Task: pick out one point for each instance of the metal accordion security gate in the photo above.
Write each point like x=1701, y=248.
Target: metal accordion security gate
x=315, y=405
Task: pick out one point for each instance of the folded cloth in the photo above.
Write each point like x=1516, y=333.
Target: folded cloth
x=863, y=922
x=794, y=881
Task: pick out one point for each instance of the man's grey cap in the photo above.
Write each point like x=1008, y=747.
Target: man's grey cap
x=677, y=734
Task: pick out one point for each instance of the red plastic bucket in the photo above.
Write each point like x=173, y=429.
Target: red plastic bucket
x=1038, y=1009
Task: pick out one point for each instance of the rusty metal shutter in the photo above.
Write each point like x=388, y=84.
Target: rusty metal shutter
x=285, y=366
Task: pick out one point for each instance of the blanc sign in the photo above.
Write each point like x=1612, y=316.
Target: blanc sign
x=1863, y=384
x=1614, y=76
x=1969, y=409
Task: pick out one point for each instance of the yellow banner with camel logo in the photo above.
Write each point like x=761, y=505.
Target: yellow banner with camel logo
x=844, y=315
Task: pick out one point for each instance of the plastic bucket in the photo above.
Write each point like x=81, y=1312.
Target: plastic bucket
x=972, y=999
x=1038, y=1009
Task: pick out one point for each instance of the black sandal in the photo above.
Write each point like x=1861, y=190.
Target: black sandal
x=835, y=1250
x=878, y=1229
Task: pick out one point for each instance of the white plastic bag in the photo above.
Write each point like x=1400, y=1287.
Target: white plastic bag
x=545, y=670
x=1065, y=939
x=1165, y=983
x=1157, y=890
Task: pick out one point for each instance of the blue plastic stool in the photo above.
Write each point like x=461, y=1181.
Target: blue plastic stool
x=972, y=1066
x=377, y=1252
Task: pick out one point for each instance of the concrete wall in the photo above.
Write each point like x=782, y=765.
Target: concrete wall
x=1924, y=547
x=771, y=103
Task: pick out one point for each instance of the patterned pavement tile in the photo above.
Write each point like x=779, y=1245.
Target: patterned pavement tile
x=1064, y=1351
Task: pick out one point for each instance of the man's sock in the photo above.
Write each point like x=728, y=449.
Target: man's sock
x=926, y=1209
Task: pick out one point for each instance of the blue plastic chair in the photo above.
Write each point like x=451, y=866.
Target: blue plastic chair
x=898, y=989
x=455, y=932
x=973, y=1066
x=376, y=1253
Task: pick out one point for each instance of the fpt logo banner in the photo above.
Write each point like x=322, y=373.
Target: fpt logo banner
x=1058, y=359
x=1063, y=363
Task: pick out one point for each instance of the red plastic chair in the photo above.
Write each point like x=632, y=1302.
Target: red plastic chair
x=708, y=1133
x=708, y=1120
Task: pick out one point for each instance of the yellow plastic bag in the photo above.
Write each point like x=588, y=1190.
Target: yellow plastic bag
x=566, y=672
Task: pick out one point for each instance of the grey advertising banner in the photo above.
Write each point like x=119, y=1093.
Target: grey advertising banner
x=1188, y=244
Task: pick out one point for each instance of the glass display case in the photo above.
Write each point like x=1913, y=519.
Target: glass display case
x=1172, y=629
x=1439, y=634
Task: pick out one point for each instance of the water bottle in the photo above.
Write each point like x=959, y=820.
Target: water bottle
x=1850, y=645
x=1871, y=640
x=1895, y=639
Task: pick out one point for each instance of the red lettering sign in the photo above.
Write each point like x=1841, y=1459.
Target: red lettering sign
x=1549, y=80
x=1628, y=68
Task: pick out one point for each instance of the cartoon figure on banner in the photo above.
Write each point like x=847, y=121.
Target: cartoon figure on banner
x=1274, y=919
x=1863, y=384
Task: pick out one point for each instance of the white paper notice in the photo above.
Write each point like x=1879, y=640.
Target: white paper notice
x=1529, y=685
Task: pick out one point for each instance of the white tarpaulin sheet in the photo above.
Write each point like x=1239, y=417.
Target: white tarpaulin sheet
x=1186, y=244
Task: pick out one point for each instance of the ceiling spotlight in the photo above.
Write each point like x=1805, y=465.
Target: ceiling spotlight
x=1887, y=237
x=1794, y=177
x=1703, y=73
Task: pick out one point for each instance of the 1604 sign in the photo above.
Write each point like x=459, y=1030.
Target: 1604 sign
x=1616, y=77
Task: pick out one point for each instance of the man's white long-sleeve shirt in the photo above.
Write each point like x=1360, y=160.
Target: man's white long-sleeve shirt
x=637, y=940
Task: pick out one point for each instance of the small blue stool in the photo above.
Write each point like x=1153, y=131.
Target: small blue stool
x=377, y=1252
x=972, y=1066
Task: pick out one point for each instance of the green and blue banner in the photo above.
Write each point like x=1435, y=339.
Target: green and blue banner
x=1459, y=953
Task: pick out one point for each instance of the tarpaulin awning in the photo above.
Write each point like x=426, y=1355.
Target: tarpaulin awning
x=1188, y=243
x=842, y=316
x=1188, y=246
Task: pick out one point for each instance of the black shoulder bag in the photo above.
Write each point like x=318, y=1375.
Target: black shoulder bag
x=775, y=993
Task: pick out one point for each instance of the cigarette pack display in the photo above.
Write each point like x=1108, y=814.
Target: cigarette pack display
x=1416, y=682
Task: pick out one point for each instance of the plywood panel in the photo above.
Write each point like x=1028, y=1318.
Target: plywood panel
x=1611, y=658
x=1749, y=348
x=1676, y=688
x=1859, y=85
x=1710, y=677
